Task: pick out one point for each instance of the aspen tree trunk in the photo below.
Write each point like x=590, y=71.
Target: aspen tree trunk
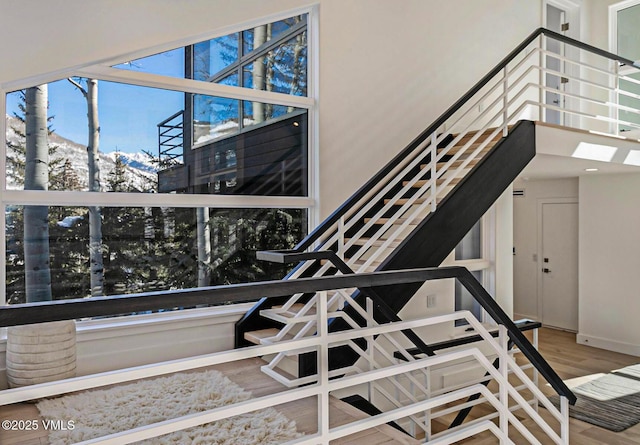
x=29, y=359
x=297, y=50
x=204, y=246
x=259, y=38
x=36, y=218
x=95, y=213
x=268, y=75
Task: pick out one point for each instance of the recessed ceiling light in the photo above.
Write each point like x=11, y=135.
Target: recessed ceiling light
x=591, y=169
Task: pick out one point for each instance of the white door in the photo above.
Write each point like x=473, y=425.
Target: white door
x=560, y=265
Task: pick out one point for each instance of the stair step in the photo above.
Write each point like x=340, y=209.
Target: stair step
x=467, y=152
x=455, y=164
x=421, y=182
x=418, y=201
x=257, y=337
x=276, y=313
x=377, y=243
x=385, y=220
x=482, y=137
x=402, y=201
x=359, y=263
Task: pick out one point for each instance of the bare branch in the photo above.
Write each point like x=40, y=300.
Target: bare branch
x=78, y=86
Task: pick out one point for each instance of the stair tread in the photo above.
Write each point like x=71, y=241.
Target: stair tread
x=421, y=182
x=371, y=267
x=402, y=201
x=456, y=148
x=482, y=136
x=292, y=311
x=256, y=337
x=385, y=220
x=376, y=243
x=455, y=164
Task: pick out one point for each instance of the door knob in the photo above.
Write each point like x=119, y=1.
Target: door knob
x=545, y=270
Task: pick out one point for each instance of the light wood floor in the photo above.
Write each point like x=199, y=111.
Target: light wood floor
x=569, y=359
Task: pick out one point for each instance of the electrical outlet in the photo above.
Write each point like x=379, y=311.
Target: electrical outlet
x=431, y=301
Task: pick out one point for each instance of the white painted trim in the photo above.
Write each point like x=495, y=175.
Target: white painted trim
x=489, y=243
x=609, y=344
x=473, y=264
x=162, y=47
x=37, y=197
x=105, y=328
x=150, y=323
x=572, y=11
x=193, y=86
x=3, y=216
x=540, y=264
x=572, y=16
x=313, y=92
x=613, y=22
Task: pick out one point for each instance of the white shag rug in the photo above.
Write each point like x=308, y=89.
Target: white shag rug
x=101, y=412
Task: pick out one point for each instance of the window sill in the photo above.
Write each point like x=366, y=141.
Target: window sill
x=98, y=329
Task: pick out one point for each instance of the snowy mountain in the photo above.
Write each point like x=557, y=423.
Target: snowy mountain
x=137, y=161
x=139, y=172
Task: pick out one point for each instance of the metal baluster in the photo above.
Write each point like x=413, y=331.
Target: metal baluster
x=341, y=238
x=616, y=100
x=434, y=153
x=503, y=339
x=505, y=102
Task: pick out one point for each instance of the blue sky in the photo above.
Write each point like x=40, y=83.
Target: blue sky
x=128, y=114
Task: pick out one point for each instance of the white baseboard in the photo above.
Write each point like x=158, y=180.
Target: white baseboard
x=519, y=316
x=608, y=344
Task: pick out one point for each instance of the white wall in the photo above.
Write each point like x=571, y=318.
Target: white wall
x=525, y=238
x=387, y=69
x=609, y=261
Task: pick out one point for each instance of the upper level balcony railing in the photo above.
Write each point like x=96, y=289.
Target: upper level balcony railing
x=570, y=84
x=171, y=140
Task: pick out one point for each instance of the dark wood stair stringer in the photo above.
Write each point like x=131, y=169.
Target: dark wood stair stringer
x=438, y=234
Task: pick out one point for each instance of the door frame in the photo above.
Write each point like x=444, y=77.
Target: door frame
x=572, y=10
x=613, y=47
x=540, y=263
x=613, y=22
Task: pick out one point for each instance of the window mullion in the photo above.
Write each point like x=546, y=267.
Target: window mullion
x=194, y=86
x=68, y=198
x=262, y=50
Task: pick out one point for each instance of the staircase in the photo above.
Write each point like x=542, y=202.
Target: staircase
x=398, y=227
x=415, y=210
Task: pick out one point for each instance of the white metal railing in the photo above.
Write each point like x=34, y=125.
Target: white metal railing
x=409, y=376
x=516, y=92
x=591, y=102
x=588, y=97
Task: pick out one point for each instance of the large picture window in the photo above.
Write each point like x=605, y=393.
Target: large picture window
x=168, y=171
